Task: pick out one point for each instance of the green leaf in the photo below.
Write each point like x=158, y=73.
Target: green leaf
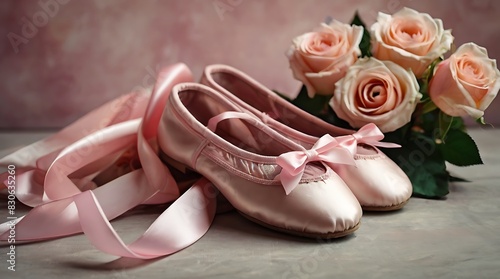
x=460, y=149
x=445, y=122
x=429, y=72
x=398, y=136
x=458, y=123
x=424, y=81
x=331, y=117
x=421, y=160
x=452, y=178
x=481, y=121
x=317, y=105
x=423, y=85
x=428, y=106
x=430, y=124
x=281, y=95
x=365, y=44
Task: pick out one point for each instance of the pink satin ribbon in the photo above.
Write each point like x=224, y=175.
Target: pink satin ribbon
x=368, y=134
x=51, y=174
x=293, y=164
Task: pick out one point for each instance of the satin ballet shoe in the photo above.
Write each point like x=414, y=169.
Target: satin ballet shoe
x=186, y=177
x=266, y=177
x=376, y=181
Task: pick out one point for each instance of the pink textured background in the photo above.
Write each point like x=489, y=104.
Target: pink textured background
x=88, y=52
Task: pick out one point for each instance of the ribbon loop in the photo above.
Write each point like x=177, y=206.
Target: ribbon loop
x=368, y=134
x=326, y=150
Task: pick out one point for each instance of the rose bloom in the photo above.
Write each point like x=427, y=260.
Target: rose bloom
x=319, y=59
x=379, y=92
x=466, y=83
x=409, y=38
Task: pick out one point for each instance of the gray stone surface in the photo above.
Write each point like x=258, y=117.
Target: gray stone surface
x=457, y=237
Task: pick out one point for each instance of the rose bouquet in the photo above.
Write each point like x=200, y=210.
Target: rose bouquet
x=395, y=75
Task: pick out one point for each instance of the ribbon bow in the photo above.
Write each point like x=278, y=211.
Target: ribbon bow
x=368, y=134
x=293, y=164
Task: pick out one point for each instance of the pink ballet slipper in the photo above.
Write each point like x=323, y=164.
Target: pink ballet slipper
x=376, y=181
x=265, y=176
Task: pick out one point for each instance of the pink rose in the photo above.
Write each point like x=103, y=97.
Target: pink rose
x=319, y=59
x=379, y=92
x=466, y=83
x=409, y=38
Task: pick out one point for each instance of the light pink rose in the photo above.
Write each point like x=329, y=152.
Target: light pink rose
x=409, y=38
x=319, y=59
x=466, y=83
x=379, y=92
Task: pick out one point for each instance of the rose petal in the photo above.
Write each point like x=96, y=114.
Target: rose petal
x=466, y=82
x=319, y=59
x=370, y=93
x=411, y=39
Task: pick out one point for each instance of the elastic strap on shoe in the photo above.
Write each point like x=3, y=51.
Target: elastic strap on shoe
x=214, y=121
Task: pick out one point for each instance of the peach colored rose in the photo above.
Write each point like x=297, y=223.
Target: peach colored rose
x=410, y=39
x=375, y=91
x=466, y=83
x=319, y=59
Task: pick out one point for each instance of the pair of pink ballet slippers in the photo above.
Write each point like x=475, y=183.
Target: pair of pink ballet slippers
x=272, y=174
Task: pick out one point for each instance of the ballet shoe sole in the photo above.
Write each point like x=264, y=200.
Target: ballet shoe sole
x=385, y=208
x=330, y=235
